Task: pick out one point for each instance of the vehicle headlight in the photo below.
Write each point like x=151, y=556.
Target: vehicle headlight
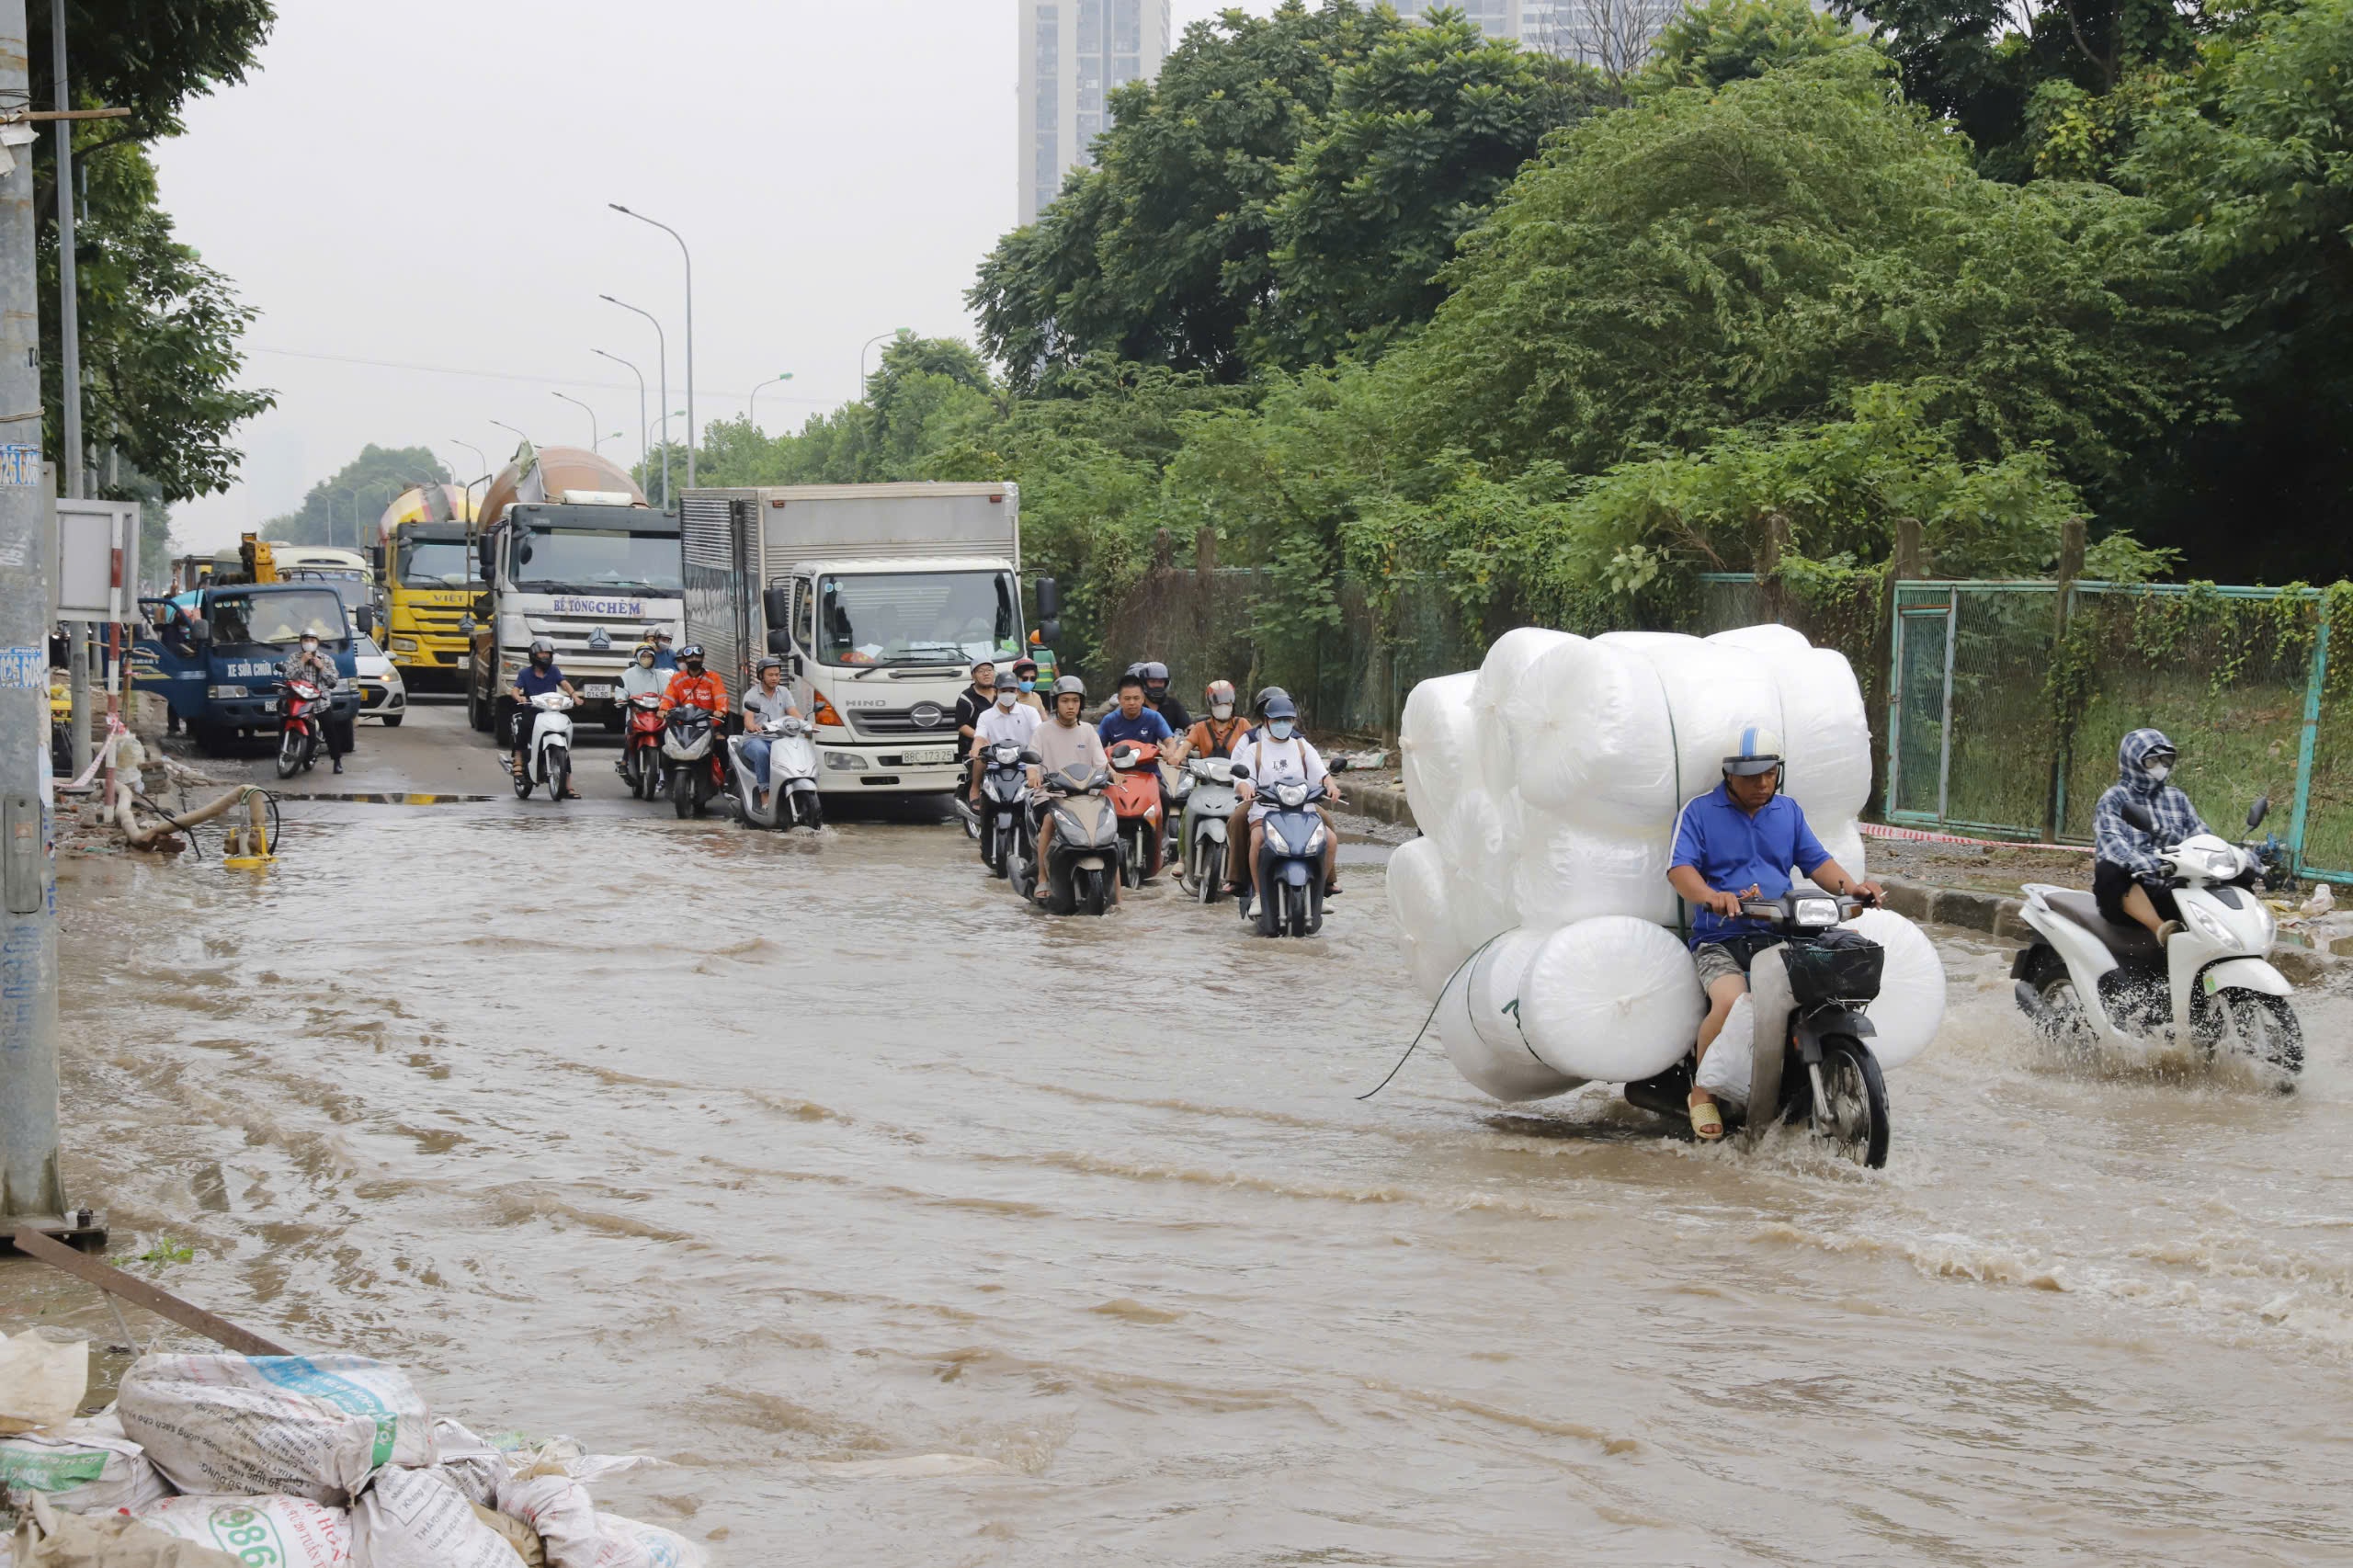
x=1315, y=845
x=2224, y=863
x=219, y=692
x=1817, y=912
x=848, y=761
x=2206, y=921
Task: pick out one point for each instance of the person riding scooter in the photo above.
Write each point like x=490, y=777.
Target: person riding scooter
x=663, y=659
x=2128, y=878
x=971, y=702
x=1025, y=675
x=1739, y=841
x=1280, y=756
x=1006, y=720
x=1216, y=735
x=644, y=677
x=1060, y=743
x=693, y=686
x=770, y=700
x=1157, y=697
x=537, y=679
x=1131, y=721
x=307, y=662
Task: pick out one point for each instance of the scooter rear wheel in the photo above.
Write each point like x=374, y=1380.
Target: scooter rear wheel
x=1854, y=1121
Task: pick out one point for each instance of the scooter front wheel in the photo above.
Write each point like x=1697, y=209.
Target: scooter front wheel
x=1208, y=876
x=558, y=774
x=682, y=794
x=290, y=754
x=1851, y=1116
x=1093, y=890
x=2266, y=1030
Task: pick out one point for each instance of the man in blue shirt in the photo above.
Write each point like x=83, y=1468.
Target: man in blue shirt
x=1739, y=841
x=1131, y=721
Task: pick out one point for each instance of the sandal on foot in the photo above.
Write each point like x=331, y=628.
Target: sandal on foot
x=1707, y=1123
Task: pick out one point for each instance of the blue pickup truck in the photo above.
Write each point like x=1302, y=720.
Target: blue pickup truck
x=215, y=652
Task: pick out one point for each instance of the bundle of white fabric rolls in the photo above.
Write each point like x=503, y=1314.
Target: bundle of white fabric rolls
x=1547, y=783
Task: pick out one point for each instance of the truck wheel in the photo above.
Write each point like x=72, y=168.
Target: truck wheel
x=476, y=720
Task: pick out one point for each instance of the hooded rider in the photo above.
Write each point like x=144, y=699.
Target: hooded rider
x=1739, y=841
x=2128, y=880
x=537, y=678
x=309, y=662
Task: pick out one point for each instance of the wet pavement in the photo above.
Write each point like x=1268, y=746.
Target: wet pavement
x=916, y=1227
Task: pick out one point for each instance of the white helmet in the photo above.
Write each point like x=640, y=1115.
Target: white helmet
x=1760, y=752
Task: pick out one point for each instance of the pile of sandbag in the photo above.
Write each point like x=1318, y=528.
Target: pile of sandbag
x=321, y=1462
x=1547, y=784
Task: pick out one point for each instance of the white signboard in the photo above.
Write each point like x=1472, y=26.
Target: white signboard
x=97, y=560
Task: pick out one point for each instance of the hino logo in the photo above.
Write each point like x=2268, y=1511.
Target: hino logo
x=926, y=715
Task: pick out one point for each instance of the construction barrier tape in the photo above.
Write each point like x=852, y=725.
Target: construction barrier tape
x=1915, y=835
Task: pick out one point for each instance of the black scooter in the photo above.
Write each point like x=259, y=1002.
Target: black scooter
x=1082, y=868
x=1810, y=1054
x=1288, y=891
x=1004, y=815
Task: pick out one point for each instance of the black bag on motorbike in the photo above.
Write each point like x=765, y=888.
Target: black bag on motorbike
x=1835, y=966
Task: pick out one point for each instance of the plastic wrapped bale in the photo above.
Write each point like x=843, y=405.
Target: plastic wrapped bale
x=1614, y=999
x=1476, y=1026
x=313, y=1426
x=86, y=1466
x=284, y=1532
x=1436, y=737
x=1594, y=738
x=1729, y=1068
x=1479, y=865
x=1712, y=695
x=1845, y=841
x=1424, y=920
x=1507, y=658
x=1566, y=873
x=1911, y=1005
x=1825, y=730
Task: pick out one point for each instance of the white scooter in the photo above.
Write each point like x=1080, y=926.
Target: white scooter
x=549, y=758
x=1205, y=790
x=793, y=778
x=2089, y=979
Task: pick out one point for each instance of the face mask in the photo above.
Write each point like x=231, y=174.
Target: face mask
x=645, y=660
x=1028, y=685
x=1279, y=729
x=1220, y=712
x=2158, y=771
x=1008, y=698
x=310, y=645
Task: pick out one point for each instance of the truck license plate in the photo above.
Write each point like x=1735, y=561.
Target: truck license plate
x=594, y=692
x=931, y=756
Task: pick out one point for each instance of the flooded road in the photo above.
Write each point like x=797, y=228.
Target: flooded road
x=918, y=1229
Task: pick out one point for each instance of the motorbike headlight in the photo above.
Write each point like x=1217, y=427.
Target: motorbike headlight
x=1315, y=845
x=1817, y=912
x=2224, y=864
x=1293, y=795
x=2208, y=923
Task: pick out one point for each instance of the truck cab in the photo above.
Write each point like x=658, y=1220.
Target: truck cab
x=215, y=652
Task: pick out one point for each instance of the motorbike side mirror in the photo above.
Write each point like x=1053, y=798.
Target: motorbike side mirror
x=2257, y=812
x=1241, y=770
x=1031, y=757
x=2138, y=815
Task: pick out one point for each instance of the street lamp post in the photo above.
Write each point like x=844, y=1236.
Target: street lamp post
x=478, y=458
x=641, y=400
x=662, y=367
x=587, y=410
x=690, y=329
x=752, y=417
x=900, y=333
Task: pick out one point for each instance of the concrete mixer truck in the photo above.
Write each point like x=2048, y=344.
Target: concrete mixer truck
x=568, y=550
x=427, y=582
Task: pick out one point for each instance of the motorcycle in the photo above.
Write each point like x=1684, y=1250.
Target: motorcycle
x=1084, y=864
x=1810, y=1045
x=640, y=759
x=2088, y=979
x=793, y=778
x=690, y=744
x=302, y=709
x=1004, y=816
x=1135, y=799
x=548, y=760
x=1289, y=890
x=1206, y=799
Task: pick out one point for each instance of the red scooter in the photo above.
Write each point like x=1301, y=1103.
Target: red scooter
x=302, y=709
x=1135, y=799
x=641, y=759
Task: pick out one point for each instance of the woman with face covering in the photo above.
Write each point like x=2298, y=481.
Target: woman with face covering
x=309, y=662
x=2128, y=880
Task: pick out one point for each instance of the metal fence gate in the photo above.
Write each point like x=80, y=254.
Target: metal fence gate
x=2007, y=700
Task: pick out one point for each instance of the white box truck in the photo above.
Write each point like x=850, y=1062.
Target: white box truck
x=877, y=597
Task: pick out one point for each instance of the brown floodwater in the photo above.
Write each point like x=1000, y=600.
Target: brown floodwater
x=917, y=1229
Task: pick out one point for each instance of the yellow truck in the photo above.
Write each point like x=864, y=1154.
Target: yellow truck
x=429, y=578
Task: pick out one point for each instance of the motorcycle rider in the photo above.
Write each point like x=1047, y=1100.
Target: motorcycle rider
x=1280, y=756
x=1025, y=675
x=1738, y=841
x=640, y=679
x=537, y=679
x=1131, y=721
x=309, y=662
x=2128, y=880
x=664, y=660
x=1060, y=743
x=971, y=702
x=1218, y=734
x=1157, y=697
x=1006, y=720
x=767, y=701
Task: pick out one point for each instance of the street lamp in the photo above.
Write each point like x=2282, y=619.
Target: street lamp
x=641, y=399
x=587, y=410
x=524, y=435
x=753, y=418
x=662, y=352
x=478, y=458
x=691, y=328
x=900, y=334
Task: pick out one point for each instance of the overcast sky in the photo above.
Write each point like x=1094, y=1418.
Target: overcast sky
x=414, y=190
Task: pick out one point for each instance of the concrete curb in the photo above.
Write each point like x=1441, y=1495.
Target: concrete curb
x=1994, y=914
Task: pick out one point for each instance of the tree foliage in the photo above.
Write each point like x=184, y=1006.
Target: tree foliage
x=342, y=509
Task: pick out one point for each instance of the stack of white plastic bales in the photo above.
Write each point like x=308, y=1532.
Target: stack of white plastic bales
x=1547, y=784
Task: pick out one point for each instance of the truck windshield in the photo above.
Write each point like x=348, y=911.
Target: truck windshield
x=276, y=617
x=437, y=563
x=550, y=560
x=916, y=618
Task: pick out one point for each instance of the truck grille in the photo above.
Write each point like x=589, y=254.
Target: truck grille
x=923, y=719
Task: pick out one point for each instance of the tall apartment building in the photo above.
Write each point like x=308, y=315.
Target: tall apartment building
x=1613, y=34
x=1072, y=53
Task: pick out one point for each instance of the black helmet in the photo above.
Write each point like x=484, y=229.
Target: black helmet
x=1268, y=694
x=542, y=645
x=1006, y=681
x=1155, y=677
x=1281, y=706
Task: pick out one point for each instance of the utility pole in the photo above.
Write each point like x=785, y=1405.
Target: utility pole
x=29, y=1187
x=69, y=343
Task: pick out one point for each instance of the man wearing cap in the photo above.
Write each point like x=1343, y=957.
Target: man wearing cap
x=971, y=702
x=1739, y=841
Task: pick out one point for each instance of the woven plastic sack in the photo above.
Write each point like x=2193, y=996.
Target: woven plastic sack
x=1509, y=657
x=86, y=1466
x=1419, y=907
x=421, y=1518
x=1593, y=737
x=1478, y=1031
x=471, y=1463
x=311, y=1427
x=47, y=1538
x=1910, y=1007
x=44, y=1375
x=283, y=1532
x=1566, y=873
x=1436, y=738
x=576, y=1536
x=1614, y=999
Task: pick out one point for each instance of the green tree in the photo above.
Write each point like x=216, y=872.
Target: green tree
x=342, y=509
x=1729, y=40
x=159, y=329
